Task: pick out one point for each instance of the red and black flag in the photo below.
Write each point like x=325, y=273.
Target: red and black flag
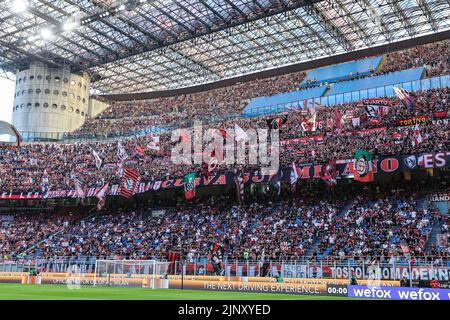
x=276, y=123
x=130, y=183
x=408, y=99
x=173, y=257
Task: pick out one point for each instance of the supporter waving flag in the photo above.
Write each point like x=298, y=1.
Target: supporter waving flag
x=239, y=181
x=130, y=183
x=139, y=150
x=407, y=98
x=416, y=136
x=101, y=195
x=241, y=135
x=310, y=124
x=121, y=152
x=276, y=181
x=153, y=143
x=189, y=186
x=338, y=120
x=294, y=176
x=98, y=160
x=79, y=191
x=276, y=123
x=330, y=173
x=362, y=166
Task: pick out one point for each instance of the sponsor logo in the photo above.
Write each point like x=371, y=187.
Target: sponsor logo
x=397, y=293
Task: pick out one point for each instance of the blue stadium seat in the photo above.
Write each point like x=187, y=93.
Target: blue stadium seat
x=277, y=103
x=378, y=81
x=342, y=71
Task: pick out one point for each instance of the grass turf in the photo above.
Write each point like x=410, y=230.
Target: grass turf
x=61, y=292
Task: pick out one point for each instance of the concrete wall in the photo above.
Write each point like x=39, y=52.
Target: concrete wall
x=50, y=100
x=96, y=107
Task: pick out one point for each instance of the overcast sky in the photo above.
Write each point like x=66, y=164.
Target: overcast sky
x=6, y=101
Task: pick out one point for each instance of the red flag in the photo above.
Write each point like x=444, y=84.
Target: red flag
x=223, y=132
x=130, y=183
x=139, y=150
x=330, y=173
x=183, y=136
x=337, y=119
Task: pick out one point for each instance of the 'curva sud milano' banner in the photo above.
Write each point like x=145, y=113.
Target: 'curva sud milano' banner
x=381, y=165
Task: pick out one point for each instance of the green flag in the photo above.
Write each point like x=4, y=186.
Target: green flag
x=189, y=185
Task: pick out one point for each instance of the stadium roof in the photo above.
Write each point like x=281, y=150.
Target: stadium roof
x=9, y=129
x=151, y=45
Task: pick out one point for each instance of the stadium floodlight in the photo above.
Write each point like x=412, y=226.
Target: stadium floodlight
x=46, y=33
x=19, y=6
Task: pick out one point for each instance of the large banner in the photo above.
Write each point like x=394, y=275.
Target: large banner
x=382, y=165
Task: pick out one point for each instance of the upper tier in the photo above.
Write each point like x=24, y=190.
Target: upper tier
x=256, y=105
x=378, y=81
x=342, y=71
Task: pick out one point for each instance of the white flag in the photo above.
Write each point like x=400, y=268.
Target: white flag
x=294, y=174
x=121, y=152
x=101, y=194
x=417, y=136
x=98, y=160
x=79, y=188
x=240, y=133
x=154, y=143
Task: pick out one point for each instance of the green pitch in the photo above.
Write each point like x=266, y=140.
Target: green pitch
x=60, y=292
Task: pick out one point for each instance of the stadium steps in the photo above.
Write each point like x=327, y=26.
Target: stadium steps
x=317, y=240
x=382, y=63
x=435, y=232
x=42, y=241
x=422, y=203
x=59, y=231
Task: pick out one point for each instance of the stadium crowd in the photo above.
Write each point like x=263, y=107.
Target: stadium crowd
x=256, y=229
x=125, y=118
x=380, y=225
x=37, y=166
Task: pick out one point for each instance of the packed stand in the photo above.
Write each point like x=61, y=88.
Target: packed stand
x=126, y=118
x=258, y=230
x=19, y=233
x=386, y=226
x=39, y=166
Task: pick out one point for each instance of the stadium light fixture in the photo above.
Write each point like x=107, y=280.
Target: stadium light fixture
x=46, y=34
x=19, y=6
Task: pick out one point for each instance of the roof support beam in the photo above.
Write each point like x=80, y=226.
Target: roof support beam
x=329, y=27
x=362, y=34
x=402, y=17
x=428, y=13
